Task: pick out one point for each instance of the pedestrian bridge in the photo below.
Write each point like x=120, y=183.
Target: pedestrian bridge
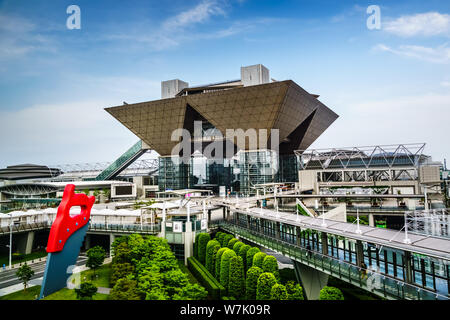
x=398, y=265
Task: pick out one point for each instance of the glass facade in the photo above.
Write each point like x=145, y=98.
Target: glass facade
x=240, y=174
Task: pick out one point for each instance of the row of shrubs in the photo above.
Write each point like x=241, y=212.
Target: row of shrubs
x=215, y=289
x=244, y=271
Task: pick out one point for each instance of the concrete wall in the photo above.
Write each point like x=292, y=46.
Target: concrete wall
x=253, y=75
x=170, y=88
x=307, y=179
x=429, y=174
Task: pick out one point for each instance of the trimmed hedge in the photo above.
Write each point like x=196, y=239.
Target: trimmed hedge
x=278, y=292
x=237, y=246
x=258, y=259
x=225, y=267
x=270, y=264
x=236, y=284
x=243, y=254
x=294, y=291
x=250, y=254
x=215, y=289
x=330, y=293
x=265, y=283
x=231, y=243
x=251, y=282
x=226, y=239
x=203, y=240
x=211, y=249
x=218, y=261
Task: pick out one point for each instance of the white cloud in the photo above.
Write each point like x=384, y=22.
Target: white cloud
x=421, y=24
x=439, y=54
x=70, y=132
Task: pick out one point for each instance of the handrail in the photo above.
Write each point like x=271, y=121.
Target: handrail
x=224, y=224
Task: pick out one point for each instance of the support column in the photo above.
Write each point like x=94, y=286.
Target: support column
x=87, y=242
x=312, y=280
x=324, y=239
x=371, y=220
x=24, y=242
x=359, y=253
x=407, y=259
x=277, y=230
x=298, y=236
x=188, y=241
x=111, y=240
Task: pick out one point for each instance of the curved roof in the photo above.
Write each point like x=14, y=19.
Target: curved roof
x=28, y=171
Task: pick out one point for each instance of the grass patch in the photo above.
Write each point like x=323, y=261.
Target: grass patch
x=23, y=258
x=30, y=294
x=101, y=278
x=68, y=294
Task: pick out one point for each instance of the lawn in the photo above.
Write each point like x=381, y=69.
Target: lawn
x=63, y=294
x=28, y=257
x=102, y=276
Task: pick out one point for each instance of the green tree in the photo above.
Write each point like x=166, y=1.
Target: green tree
x=226, y=239
x=86, y=291
x=236, y=283
x=220, y=236
x=243, y=254
x=196, y=245
x=330, y=293
x=258, y=259
x=225, y=267
x=294, y=291
x=270, y=264
x=125, y=289
x=95, y=257
x=24, y=273
x=264, y=287
x=231, y=243
x=203, y=240
x=250, y=254
x=251, y=282
x=218, y=261
x=191, y=292
x=119, y=271
x=174, y=281
x=278, y=292
x=237, y=246
x=121, y=253
x=211, y=249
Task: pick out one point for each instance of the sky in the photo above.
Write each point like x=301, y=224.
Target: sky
x=389, y=84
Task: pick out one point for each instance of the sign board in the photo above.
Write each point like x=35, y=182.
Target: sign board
x=177, y=226
x=204, y=224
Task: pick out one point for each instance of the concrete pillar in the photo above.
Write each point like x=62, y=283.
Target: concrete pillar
x=87, y=242
x=111, y=240
x=324, y=239
x=371, y=220
x=277, y=230
x=408, y=267
x=298, y=236
x=359, y=253
x=188, y=241
x=312, y=280
x=24, y=242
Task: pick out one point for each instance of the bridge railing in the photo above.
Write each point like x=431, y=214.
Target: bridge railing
x=23, y=227
x=377, y=283
x=126, y=228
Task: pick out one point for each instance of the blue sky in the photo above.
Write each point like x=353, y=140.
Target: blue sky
x=389, y=86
